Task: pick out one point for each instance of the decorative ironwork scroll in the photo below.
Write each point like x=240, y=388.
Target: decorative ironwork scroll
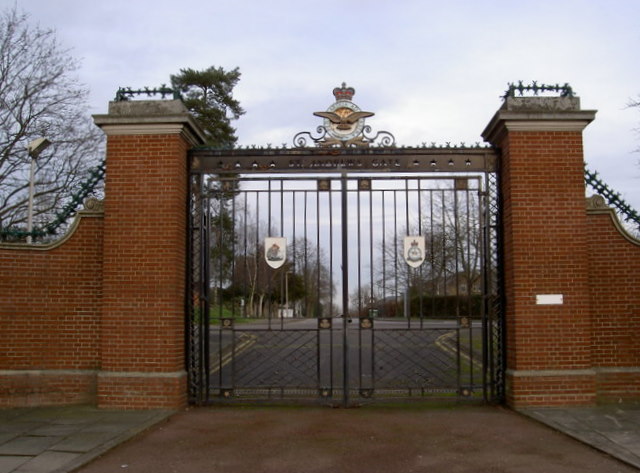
x=82, y=191
x=614, y=199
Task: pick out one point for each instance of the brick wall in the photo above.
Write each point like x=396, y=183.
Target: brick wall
x=585, y=349
x=143, y=312
x=144, y=269
x=549, y=359
x=50, y=317
x=614, y=282
x=98, y=317
x=546, y=253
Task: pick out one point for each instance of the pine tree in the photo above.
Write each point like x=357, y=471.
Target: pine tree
x=208, y=94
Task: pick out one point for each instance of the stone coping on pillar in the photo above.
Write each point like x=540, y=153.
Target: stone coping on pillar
x=537, y=114
x=150, y=117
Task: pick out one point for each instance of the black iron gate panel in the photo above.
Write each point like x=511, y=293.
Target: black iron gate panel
x=273, y=296
x=344, y=287
x=417, y=287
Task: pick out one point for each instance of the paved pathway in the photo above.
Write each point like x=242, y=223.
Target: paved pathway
x=611, y=429
x=60, y=439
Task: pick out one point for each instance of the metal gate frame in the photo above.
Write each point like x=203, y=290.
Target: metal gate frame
x=344, y=162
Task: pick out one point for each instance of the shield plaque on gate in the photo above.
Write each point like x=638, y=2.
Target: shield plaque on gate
x=275, y=251
x=414, y=250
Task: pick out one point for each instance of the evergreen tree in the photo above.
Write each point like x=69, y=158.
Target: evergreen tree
x=208, y=94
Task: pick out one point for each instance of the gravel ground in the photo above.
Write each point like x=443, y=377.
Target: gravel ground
x=372, y=439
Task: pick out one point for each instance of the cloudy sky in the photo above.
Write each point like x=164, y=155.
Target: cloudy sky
x=432, y=71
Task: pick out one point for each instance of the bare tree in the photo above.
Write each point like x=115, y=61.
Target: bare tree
x=635, y=103
x=315, y=275
x=40, y=97
x=303, y=280
x=451, y=227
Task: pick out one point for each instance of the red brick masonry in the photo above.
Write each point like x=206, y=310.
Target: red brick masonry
x=50, y=310
x=614, y=283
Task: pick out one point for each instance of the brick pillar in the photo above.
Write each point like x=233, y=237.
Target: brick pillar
x=548, y=326
x=142, y=339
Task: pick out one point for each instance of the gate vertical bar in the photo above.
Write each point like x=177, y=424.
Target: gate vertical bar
x=407, y=295
x=191, y=328
x=204, y=288
x=493, y=318
x=331, y=359
x=487, y=338
x=498, y=303
x=197, y=297
x=345, y=292
x=456, y=282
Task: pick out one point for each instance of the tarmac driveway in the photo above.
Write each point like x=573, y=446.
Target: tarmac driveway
x=363, y=440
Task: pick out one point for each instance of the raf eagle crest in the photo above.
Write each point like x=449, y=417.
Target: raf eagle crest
x=343, y=120
x=344, y=125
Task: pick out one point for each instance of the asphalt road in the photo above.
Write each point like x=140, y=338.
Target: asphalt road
x=292, y=358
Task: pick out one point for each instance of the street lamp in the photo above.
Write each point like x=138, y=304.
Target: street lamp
x=286, y=293
x=34, y=148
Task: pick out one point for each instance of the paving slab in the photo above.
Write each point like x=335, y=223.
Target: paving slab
x=47, y=462
x=82, y=442
x=55, y=430
x=612, y=429
x=6, y=436
x=28, y=445
x=61, y=439
x=16, y=427
x=9, y=463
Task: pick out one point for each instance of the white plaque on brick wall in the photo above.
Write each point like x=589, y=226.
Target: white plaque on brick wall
x=549, y=299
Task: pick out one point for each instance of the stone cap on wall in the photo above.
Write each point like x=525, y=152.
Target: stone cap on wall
x=146, y=117
x=597, y=205
x=93, y=208
x=537, y=114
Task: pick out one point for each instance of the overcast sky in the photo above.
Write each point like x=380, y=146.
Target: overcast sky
x=432, y=71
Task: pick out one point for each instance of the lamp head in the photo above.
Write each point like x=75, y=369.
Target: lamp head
x=37, y=146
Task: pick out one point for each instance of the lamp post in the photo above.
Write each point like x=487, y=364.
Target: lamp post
x=286, y=293
x=34, y=149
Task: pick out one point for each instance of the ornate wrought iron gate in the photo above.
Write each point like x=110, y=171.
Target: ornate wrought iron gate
x=344, y=276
